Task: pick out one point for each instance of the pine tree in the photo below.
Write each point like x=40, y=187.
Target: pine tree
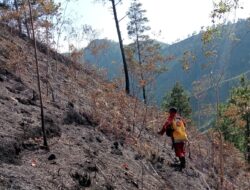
x=178, y=98
x=136, y=29
x=235, y=117
x=146, y=52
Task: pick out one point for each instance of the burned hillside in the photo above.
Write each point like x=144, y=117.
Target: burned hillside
x=99, y=138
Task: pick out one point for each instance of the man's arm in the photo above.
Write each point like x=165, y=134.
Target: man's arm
x=164, y=127
x=167, y=124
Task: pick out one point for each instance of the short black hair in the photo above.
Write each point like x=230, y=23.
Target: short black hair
x=172, y=110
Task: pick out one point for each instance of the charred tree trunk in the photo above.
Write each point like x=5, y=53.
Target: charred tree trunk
x=142, y=77
x=18, y=17
x=121, y=47
x=38, y=80
x=26, y=24
x=144, y=90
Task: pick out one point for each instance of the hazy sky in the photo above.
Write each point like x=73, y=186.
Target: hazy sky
x=176, y=19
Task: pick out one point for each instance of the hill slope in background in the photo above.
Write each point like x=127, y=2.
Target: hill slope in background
x=104, y=54
x=99, y=138
x=232, y=59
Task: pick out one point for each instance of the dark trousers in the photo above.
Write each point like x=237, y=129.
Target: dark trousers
x=180, y=153
x=179, y=149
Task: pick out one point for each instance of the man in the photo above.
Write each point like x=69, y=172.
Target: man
x=175, y=128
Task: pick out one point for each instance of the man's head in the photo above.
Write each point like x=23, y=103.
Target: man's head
x=172, y=110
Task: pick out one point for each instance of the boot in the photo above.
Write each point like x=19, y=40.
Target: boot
x=183, y=162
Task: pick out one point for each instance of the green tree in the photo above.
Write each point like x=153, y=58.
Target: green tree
x=178, y=98
x=235, y=117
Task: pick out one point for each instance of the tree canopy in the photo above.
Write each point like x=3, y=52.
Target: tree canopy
x=235, y=117
x=178, y=98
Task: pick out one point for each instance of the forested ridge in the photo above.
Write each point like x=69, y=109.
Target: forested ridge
x=233, y=38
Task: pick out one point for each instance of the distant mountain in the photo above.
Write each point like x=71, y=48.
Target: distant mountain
x=104, y=54
x=232, y=59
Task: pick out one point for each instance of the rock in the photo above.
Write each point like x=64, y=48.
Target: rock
x=109, y=186
x=139, y=157
x=56, y=105
x=17, y=79
x=71, y=116
x=35, y=96
x=90, y=139
x=91, y=167
x=4, y=72
x=30, y=145
x=11, y=90
x=160, y=159
x=25, y=101
x=3, y=78
x=122, y=142
x=115, y=145
x=83, y=179
x=98, y=139
x=52, y=157
x=4, y=98
x=19, y=87
x=158, y=165
x=23, y=111
x=9, y=150
x=116, y=152
x=70, y=105
x=115, y=149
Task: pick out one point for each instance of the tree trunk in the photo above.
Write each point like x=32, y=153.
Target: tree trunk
x=221, y=160
x=38, y=80
x=142, y=77
x=18, y=18
x=122, y=49
x=199, y=112
x=143, y=90
x=26, y=24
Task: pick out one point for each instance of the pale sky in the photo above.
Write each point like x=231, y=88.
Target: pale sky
x=176, y=19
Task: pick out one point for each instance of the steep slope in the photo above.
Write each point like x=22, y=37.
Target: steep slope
x=99, y=138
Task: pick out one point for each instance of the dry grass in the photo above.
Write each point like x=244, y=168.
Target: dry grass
x=121, y=117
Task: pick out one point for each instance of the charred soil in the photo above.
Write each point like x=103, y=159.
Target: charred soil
x=99, y=138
